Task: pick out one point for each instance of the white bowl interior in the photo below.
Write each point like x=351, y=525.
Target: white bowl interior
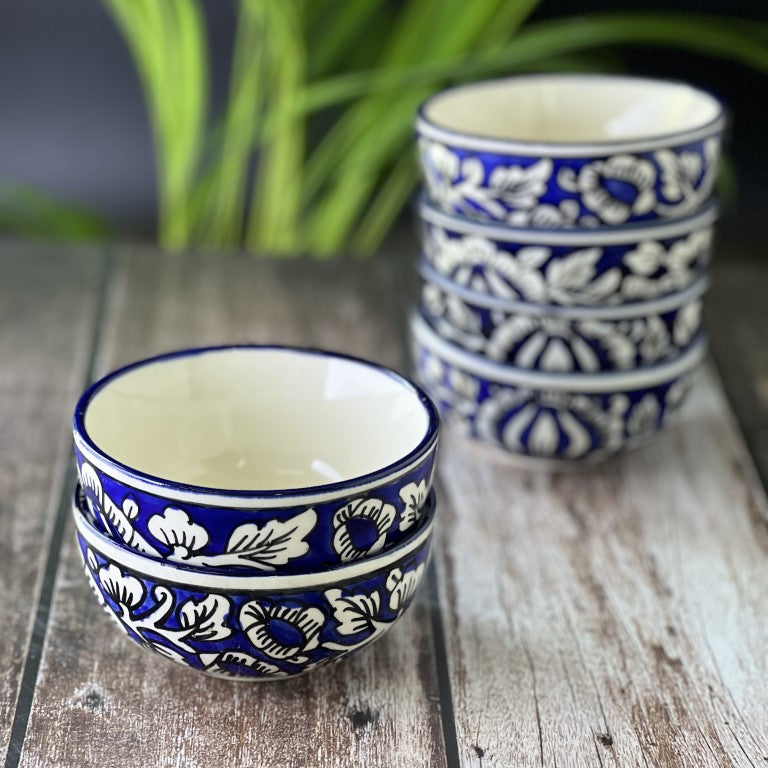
x=256, y=419
x=572, y=109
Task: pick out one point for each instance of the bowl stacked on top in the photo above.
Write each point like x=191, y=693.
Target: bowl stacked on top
x=567, y=225
x=254, y=511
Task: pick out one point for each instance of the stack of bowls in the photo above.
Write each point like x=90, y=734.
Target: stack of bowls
x=567, y=225
x=254, y=512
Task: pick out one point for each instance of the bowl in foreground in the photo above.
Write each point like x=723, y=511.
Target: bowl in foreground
x=253, y=627
x=256, y=458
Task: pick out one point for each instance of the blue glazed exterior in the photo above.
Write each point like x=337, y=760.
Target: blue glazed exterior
x=620, y=165
x=290, y=530
x=547, y=423
x=603, y=269
x=253, y=633
x=560, y=192
x=535, y=338
x=291, y=539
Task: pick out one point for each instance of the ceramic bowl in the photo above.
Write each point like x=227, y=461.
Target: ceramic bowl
x=253, y=627
x=603, y=267
x=561, y=339
x=559, y=417
x=570, y=150
x=256, y=458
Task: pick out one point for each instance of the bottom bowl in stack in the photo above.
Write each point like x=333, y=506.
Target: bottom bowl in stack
x=252, y=627
x=557, y=416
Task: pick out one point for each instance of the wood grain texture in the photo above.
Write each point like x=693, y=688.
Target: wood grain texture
x=736, y=317
x=102, y=701
x=47, y=300
x=615, y=617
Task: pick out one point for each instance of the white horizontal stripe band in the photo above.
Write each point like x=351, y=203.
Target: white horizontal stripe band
x=274, y=582
x=588, y=151
x=600, y=312
x=171, y=490
x=594, y=383
x=623, y=235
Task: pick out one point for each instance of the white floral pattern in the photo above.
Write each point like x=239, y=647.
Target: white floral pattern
x=413, y=495
x=360, y=528
x=239, y=635
x=545, y=193
x=556, y=344
x=551, y=424
x=281, y=632
x=615, y=189
x=535, y=274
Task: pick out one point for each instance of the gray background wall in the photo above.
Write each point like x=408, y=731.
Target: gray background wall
x=72, y=120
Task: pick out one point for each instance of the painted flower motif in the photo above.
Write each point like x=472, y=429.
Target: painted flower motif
x=175, y=529
x=612, y=338
x=413, y=495
x=281, y=632
x=551, y=424
x=402, y=586
x=615, y=189
x=520, y=187
x=687, y=323
x=360, y=527
x=125, y=590
x=644, y=416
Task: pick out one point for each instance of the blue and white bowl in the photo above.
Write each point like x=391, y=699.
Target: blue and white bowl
x=253, y=627
x=590, y=268
x=561, y=339
x=559, y=151
x=253, y=458
x=558, y=417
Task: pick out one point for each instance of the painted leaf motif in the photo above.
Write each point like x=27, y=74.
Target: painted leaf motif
x=574, y=271
x=205, y=618
x=679, y=172
x=544, y=436
x=521, y=187
x=579, y=441
x=401, y=586
x=413, y=496
x=175, y=529
x=354, y=613
x=274, y=543
x=123, y=589
x=556, y=357
x=646, y=258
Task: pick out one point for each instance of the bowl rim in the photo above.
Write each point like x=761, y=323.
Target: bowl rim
x=627, y=310
x=279, y=497
x=429, y=129
x=221, y=581
x=624, y=234
x=587, y=383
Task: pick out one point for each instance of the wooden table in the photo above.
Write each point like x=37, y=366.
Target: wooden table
x=614, y=617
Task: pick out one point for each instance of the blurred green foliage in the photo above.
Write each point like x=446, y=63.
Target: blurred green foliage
x=311, y=153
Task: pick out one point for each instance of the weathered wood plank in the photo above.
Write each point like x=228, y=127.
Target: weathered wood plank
x=101, y=701
x=47, y=301
x=612, y=617
x=737, y=321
